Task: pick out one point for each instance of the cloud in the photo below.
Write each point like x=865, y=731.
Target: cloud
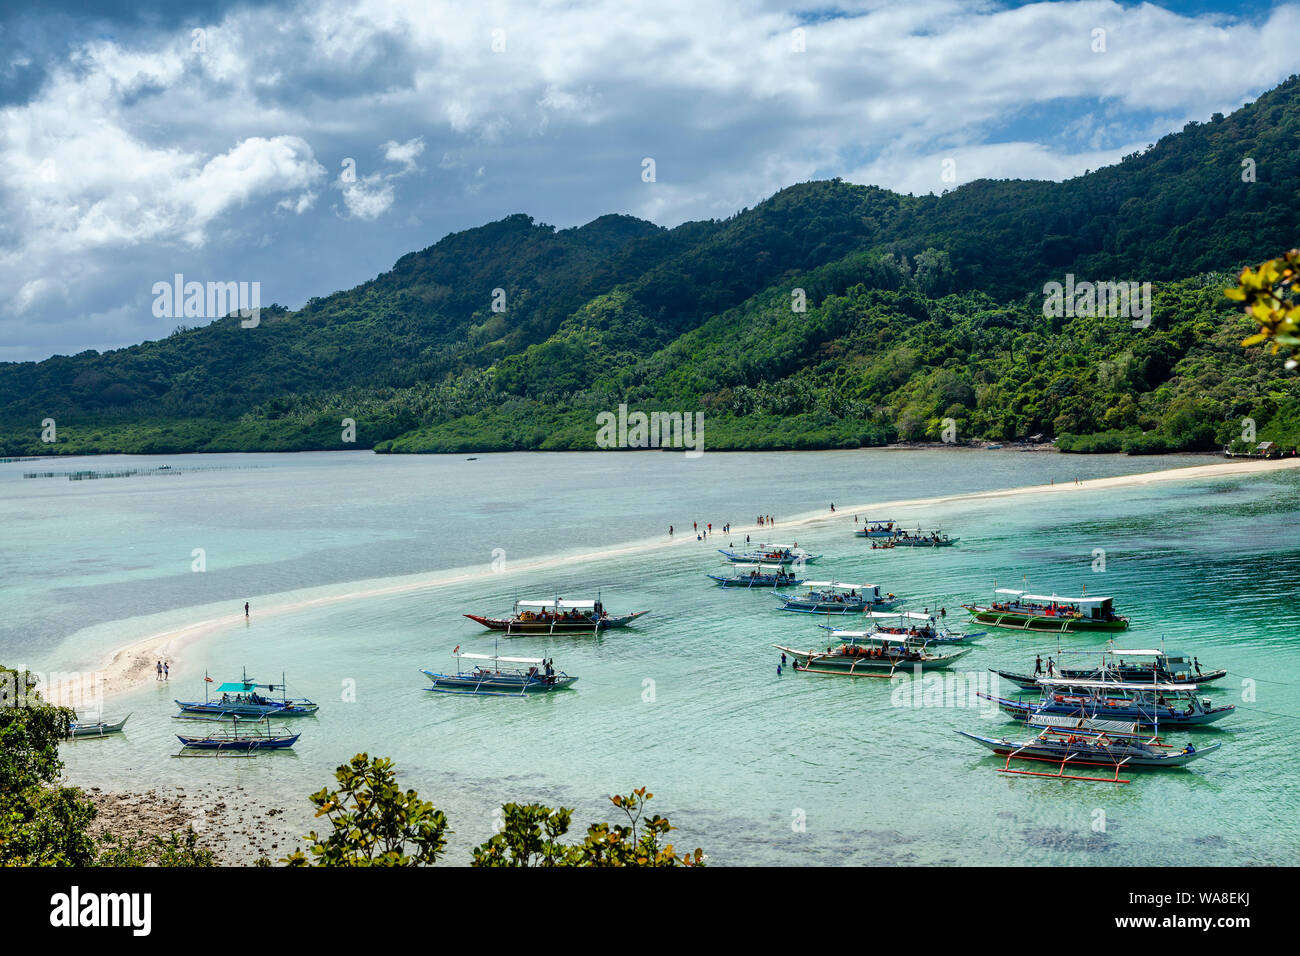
x=131, y=158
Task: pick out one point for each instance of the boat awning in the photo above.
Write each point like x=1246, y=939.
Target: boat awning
x=508, y=660
x=772, y=568
x=1083, y=723
x=1137, y=653
x=1056, y=599
x=1113, y=684
x=873, y=636
x=1009, y=591
x=237, y=687
x=561, y=605
x=837, y=584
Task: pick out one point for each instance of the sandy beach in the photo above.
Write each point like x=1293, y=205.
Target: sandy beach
x=133, y=663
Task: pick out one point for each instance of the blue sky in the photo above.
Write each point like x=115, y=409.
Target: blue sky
x=136, y=148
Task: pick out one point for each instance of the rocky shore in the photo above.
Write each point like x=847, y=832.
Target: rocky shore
x=233, y=822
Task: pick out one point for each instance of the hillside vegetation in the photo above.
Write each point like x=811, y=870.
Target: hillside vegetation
x=916, y=310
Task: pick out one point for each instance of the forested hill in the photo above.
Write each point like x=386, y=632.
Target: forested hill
x=514, y=335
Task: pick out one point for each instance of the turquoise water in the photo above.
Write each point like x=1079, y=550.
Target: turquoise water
x=754, y=767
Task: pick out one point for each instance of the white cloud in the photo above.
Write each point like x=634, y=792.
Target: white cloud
x=132, y=156
x=405, y=153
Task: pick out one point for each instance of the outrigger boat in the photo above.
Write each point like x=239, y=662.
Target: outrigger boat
x=1175, y=705
x=757, y=576
x=242, y=699
x=922, y=539
x=535, y=675
x=770, y=554
x=871, y=654
x=556, y=616
x=877, y=529
x=79, y=729
x=921, y=625
x=1072, y=743
x=1134, y=666
x=1042, y=612
x=252, y=735
x=834, y=597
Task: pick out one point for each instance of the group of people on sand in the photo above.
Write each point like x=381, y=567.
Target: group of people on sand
x=164, y=670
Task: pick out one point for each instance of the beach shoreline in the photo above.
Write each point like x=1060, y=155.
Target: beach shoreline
x=130, y=665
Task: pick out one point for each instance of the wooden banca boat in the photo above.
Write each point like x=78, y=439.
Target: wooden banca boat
x=923, y=539
x=920, y=625
x=487, y=677
x=871, y=654
x=877, y=529
x=1043, y=612
x=239, y=736
x=1174, y=705
x=1077, y=744
x=80, y=729
x=245, y=698
x=1133, y=666
x=557, y=616
x=784, y=554
x=836, y=597
x=756, y=576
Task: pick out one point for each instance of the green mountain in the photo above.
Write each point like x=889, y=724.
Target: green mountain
x=916, y=310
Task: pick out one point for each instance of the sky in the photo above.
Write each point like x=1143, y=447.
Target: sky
x=308, y=146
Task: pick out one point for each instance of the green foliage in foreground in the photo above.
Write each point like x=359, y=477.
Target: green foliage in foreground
x=42, y=822
x=374, y=823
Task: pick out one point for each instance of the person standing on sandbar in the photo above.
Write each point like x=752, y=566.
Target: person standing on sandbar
x=245, y=609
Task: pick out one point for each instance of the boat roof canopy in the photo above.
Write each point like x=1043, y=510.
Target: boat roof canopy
x=837, y=584
x=872, y=636
x=744, y=566
x=561, y=605
x=237, y=687
x=895, y=615
x=1137, y=653
x=1055, y=599
x=508, y=660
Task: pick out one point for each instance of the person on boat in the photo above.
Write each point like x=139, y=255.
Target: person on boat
x=1038, y=665
x=1197, y=664
x=1051, y=668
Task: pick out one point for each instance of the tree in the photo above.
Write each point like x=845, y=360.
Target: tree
x=41, y=822
x=1263, y=292
x=373, y=822
x=531, y=837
